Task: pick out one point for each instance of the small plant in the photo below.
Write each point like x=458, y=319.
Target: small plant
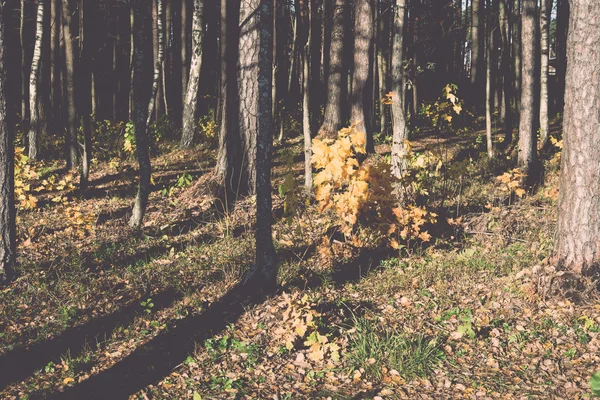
x=595, y=384
x=147, y=305
x=184, y=180
x=50, y=368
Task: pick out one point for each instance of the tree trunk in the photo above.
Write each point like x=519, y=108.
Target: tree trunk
x=399, y=135
x=306, y=125
x=184, y=48
x=577, y=238
x=527, y=159
x=333, y=108
x=363, y=42
x=142, y=68
x=34, y=122
x=24, y=71
x=7, y=174
x=190, y=105
x=158, y=61
x=264, y=272
x=477, y=50
x=55, y=66
x=505, y=66
x=562, y=29
x=489, y=101
x=517, y=47
x=84, y=93
x=69, y=83
x=545, y=11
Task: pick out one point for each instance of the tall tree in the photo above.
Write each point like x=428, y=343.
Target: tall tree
x=528, y=120
x=142, y=69
x=562, y=28
x=489, y=102
x=84, y=91
x=190, y=105
x=184, y=48
x=306, y=99
x=545, y=11
x=34, y=122
x=333, y=108
x=399, y=135
x=160, y=54
x=363, y=51
x=477, y=48
x=506, y=71
x=265, y=268
x=577, y=238
x=68, y=10
x=7, y=173
x=55, y=64
x=516, y=54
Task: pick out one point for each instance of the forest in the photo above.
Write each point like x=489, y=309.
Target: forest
x=299, y=199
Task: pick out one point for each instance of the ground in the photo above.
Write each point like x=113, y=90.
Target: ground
x=101, y=311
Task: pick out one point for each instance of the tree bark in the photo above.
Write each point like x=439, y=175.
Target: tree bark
x=69, y=83
x=264, y=272
x=85, y=93
x=506, y=71
x=158, y=62
x=7, y=184
x=399, y=135
x=55, y=66
x=142, y=59
x=24, y=70
x=363, y=42
x=306, y=125
x=184, y=48
x=489, y=102
x=517, y=49
x=34, y=122
x=477, y=50
x=333, y=108
x=562, y=29
x=577, y=239
x=527, y=159
x=190, y=105
x=545, y=10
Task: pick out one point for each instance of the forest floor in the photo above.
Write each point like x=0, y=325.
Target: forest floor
x=101, y=311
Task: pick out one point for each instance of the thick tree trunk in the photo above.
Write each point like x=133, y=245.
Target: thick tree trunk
x=528, y=121
x=7, y=184
x=34, y=122
x=264, y=272
x=142, y=68
x=399, y=135
x=333, y=108
x=545, y=10
x=363, y=50
x=477, y=50
x=577, y=239
x=190, y=105
x=158, y=61
x=69, y=83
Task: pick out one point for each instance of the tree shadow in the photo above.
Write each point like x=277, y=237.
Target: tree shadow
x=158, y=357
x=18, y=364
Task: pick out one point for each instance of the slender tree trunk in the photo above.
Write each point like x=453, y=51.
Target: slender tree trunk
x=399, y=135
x=184, y=48
x=306, y=125
x=7, y=173
x=159, y=61
x=527, y=127
x=363, y=42
x=477, y=49
x=545, y=10
x=34, y=122
x=333, y=108
x=69, y=83
x=489, y=101
x=55, y=66
x=577, y=238
x=190, y=105
x=24, y=71
x=506, y=71
x=142, y=59
x=516, y=45
x=265, y=268
x=562, y=29
x=84, y=93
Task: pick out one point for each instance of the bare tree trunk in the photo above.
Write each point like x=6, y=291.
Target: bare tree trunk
x=577, y=238
x=56, y=95
x=142, y=59
x=159, y=61
x=184, y=48
x=85, y=92
x=264, y=272
x=7, y=173
x=190, y=105
x=306, y=126
x=562, y=28
x=516, y=45
x=69, y=83
x=24, y=72
x=489, y=101
x=506, y=72
x=545, y=10
x=34, y=122
x=527, y=127
x=477, y=49
x=399, y=135
x=333, y=107
x=363, y=42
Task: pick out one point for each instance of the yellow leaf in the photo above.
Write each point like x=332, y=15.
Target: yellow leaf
x=68, y=380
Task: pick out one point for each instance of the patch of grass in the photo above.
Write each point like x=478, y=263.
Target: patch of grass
x=373, y=348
